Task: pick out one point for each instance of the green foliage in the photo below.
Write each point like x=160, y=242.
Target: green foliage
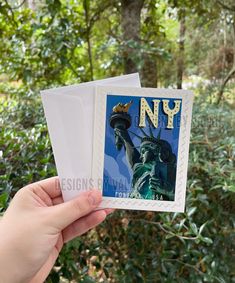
x=26, y=151
x=194, y=246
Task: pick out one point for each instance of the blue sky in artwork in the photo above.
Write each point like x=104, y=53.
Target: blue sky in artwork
x=117, y=174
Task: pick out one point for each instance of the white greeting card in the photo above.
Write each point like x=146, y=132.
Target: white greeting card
x=130, y=142
x=140, y=147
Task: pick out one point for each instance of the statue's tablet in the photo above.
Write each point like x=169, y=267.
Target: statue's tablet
x=140, y=149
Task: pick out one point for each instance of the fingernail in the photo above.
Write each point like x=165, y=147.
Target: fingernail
x=94, y=197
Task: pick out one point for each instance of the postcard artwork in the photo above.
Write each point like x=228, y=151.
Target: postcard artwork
x=141, y=139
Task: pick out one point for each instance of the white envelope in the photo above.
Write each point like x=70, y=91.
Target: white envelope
x=70, y=118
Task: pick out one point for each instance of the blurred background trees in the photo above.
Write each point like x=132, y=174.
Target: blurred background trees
x=173, y=43
x=165, y=41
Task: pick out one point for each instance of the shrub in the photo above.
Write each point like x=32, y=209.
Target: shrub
x=195, y=246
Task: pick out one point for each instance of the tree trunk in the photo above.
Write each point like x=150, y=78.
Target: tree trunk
x=130, y=19
x=225, y=41
x=180, y=61
x=232, y=71
x=149, y=71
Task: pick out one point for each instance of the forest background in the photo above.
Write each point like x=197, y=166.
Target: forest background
x=173, y=44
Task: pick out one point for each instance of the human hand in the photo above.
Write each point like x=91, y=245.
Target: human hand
x=37, y=224
x=121, y=133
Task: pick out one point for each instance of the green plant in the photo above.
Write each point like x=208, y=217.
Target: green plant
x=195, y=246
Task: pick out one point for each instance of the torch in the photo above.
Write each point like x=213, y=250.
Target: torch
x=120, y=120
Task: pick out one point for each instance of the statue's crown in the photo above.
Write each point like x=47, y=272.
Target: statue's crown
x=150, y=137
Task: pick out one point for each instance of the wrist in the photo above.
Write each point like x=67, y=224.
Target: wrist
x=11, y=265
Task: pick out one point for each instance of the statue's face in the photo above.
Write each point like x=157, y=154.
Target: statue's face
x=148, y=152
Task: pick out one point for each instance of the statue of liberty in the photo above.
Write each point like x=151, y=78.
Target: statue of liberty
x=153, y=166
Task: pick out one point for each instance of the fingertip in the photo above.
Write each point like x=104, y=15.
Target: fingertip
x=98, y=217
x=94, y=197
x=109, y=210
x=101, y=214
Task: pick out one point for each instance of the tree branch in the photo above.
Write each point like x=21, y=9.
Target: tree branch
x=195, y=267
x=227, y=78
x=165, y=230
x=225, y=6
x=95, y=17
x=12, y=14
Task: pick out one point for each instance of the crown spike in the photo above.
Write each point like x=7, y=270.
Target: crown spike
x=143, y=132
x=150, y=131
x=135, y=134
x=159, y=135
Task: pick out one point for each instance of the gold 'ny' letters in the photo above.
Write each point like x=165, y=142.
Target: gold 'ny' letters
x=153, y=115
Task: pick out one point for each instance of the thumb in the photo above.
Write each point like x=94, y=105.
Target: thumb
x=64, y=214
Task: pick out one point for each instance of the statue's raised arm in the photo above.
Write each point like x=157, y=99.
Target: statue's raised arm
x=132, y=154
x=120, y=121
